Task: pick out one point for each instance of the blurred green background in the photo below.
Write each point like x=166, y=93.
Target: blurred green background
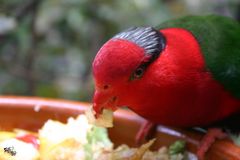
x=47, y=46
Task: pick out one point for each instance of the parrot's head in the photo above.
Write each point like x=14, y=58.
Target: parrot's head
x=121, y=62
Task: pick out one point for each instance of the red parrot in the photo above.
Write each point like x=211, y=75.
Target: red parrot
x=185, y=73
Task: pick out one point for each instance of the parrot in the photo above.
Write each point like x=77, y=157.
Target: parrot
x=183, y=73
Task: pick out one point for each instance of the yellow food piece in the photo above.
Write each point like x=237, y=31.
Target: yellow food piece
x=67, y=150
x=104, y=120
x=142, y=150
x=6, y=135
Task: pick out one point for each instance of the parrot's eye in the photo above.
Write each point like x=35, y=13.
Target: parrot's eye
x=138, y=73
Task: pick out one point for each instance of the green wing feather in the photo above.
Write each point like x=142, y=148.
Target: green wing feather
x=219, y=39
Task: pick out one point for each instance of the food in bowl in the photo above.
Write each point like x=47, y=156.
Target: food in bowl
x=78, y=140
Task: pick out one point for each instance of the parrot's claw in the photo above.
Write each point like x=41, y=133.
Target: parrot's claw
x=210, y=137
x=145, y=132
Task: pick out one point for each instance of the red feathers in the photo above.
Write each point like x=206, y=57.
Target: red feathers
x=175, y=89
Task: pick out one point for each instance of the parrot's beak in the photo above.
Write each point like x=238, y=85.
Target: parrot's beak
x=103, y=100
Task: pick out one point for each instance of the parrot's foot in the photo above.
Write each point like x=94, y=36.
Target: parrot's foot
x=210, y=137
x=145, y=132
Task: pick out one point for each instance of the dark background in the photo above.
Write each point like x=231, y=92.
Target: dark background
x=47, y=46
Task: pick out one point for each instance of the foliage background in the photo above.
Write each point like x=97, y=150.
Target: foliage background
x=47, y=46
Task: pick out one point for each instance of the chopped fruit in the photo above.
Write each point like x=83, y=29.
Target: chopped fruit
x=103, y=120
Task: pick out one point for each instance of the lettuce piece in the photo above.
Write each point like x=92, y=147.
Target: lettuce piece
x=98, y=142
x=177, y=147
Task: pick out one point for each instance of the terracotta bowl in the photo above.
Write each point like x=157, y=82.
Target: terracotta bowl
x=31, y=112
